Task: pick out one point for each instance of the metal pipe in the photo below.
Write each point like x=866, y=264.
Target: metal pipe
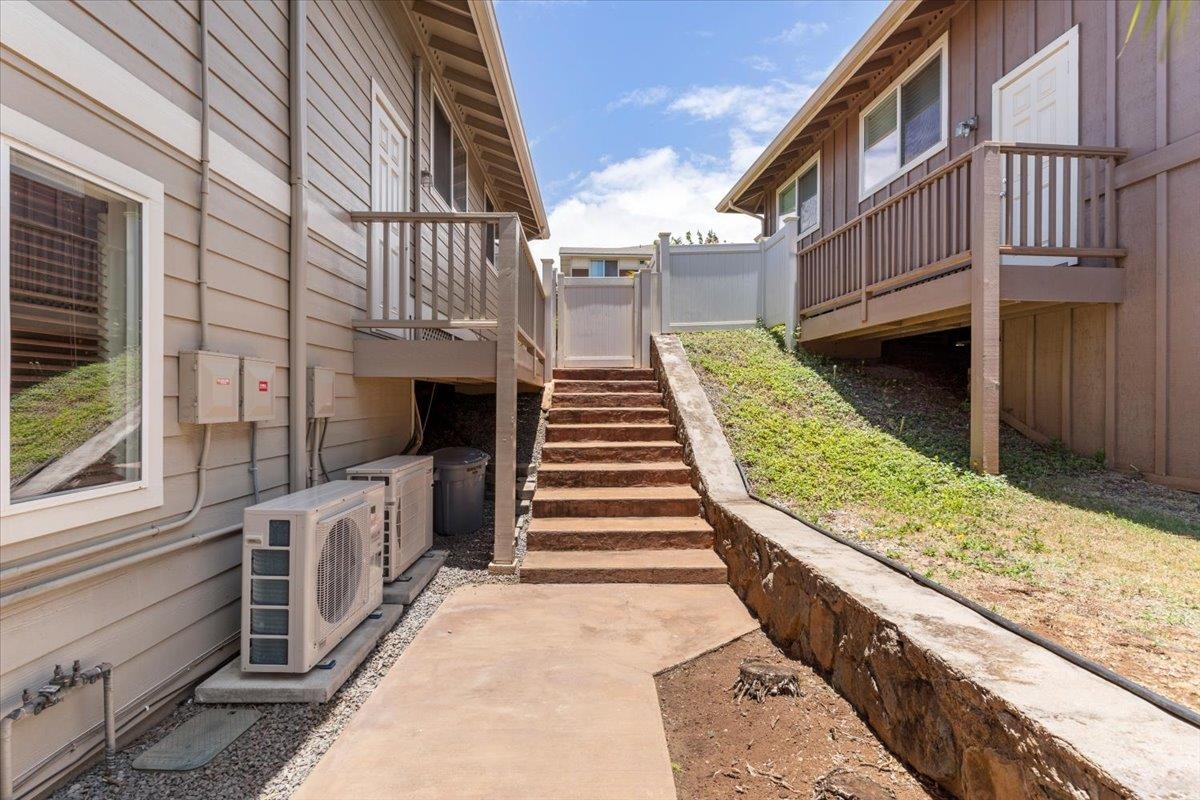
x=298, y=250
x=122, y=563
x=157, y=529
x=205, y=170
x=6, y=766
x=110, y=722
x=253, y=468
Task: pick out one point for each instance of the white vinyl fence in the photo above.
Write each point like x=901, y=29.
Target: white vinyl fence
x=715, y=286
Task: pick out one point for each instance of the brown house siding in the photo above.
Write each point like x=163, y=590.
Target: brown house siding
x=169, y=619
x=1130, y=386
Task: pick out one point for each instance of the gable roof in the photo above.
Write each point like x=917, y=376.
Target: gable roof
x=849, y=84
x=636, y=250
x=464, y=40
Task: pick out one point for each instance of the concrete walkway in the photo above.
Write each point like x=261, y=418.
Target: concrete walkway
x=540, y=692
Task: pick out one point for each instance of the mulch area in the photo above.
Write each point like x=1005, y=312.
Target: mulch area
x=811, y=745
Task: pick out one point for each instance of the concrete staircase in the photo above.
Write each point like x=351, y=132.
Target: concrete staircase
x=614, y=502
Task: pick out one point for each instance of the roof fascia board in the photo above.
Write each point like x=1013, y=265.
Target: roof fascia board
x=892, y=18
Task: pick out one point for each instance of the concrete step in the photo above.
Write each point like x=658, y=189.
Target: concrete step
x=617, y=501
x=606, y=399
x=622, y=566
x=638, y=473
x=606, y=386
x=619, y=533
x=602, y=374
x=625, y=452
x=571, y=416
x=611, y=432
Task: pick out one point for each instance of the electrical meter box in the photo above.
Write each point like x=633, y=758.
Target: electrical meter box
x=320, y=392
x=209, y=387
x=258, y=389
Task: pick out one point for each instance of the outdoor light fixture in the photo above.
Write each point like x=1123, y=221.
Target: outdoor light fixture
x=967, y=127
x=426, y=179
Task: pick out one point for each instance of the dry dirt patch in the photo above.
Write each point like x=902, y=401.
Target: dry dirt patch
x=808, y=746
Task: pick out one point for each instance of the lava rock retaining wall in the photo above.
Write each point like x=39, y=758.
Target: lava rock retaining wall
x=980, y=710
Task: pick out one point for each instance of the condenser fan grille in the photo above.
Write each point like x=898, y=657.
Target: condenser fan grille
x=339, y=568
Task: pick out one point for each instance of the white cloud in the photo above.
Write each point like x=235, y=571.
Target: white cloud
x=629, y=202
x=801, y=31
x=754, y=113
x=646, y=96
x=760, y=63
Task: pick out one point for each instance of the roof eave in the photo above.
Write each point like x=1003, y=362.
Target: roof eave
x=488, y=30
x=891, y=18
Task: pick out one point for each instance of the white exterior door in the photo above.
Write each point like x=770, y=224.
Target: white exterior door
x=598, y=322
x=389, y=192
x=1038, y=103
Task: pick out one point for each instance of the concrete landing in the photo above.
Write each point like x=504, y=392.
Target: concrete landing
x=230, y=685
x=537, y=692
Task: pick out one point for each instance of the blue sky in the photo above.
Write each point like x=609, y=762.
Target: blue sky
x=641, y=114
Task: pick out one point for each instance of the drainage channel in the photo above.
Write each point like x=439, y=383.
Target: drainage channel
x=1153, y=698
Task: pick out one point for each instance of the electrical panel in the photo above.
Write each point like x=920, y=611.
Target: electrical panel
x=258, y=389
x=209, y=387
x=320, y=392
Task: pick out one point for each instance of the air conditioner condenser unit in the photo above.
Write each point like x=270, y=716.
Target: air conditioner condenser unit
x=312, y=570
x=408, y=508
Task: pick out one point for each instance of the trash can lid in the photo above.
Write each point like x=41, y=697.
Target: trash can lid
x=459, y=457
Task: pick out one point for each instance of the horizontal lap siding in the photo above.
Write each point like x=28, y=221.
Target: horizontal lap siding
x=158, y=618
x=987, y=40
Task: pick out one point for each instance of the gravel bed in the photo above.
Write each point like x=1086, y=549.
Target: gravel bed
x=273, y=757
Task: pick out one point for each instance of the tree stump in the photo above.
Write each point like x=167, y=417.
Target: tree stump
x=759, y=679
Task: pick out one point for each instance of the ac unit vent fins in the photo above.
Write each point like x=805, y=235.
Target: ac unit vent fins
x=269, y=621
x=280, y=533
x=268, y=592
x=268, y=651
x=269, y=562
x=339, y=568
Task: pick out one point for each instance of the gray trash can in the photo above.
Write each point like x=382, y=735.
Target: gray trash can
x=458, y=490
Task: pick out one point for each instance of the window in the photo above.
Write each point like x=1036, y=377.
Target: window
x=906, y=124
x=579, y=272
x=800, y=197
x=600, y=268
x=449, y=161
x=80, y=361
x=491, y=232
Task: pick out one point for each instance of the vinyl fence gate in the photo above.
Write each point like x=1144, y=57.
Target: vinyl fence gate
x=601, y=321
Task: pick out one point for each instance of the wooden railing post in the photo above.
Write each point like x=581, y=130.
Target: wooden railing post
x=549, y=342
x=985, y=308
x=508, y=266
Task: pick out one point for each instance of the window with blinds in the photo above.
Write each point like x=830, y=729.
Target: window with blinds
x=800, y=198
x=907, y=124
x=449, y=160
x=74, y=307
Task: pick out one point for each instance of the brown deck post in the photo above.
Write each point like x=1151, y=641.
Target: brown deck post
x=985, y=309
x=509, y=262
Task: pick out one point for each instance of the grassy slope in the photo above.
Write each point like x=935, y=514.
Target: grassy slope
x=1105, y=562
x=53, y=418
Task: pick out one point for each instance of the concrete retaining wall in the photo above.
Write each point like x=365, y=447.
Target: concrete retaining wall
x=977, y=708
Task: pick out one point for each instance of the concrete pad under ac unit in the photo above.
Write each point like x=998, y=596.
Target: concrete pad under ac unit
x=230, y=685
x=405, y=589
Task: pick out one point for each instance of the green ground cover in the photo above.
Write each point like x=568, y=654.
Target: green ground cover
x=1106, y=562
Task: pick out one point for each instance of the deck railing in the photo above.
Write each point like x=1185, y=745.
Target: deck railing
x=926, y=230
x=441, y=275
x=450, y=275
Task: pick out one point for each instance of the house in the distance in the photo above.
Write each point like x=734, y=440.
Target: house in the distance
x=604, y=262
x=1006, y=172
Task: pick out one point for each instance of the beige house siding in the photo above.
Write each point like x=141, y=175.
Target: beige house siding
x=624, y=264
x=167, y=620
x=1138, y=401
